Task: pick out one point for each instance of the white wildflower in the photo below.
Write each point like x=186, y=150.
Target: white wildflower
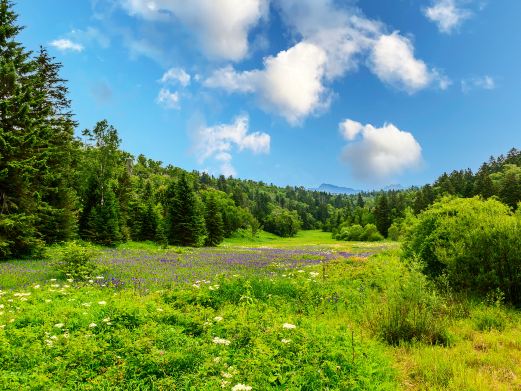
x=1, y=306
x=195, y=286
x=225, y=383
x=314, y=274
x=99, y=277
x=301, y=271
x=54, y=337
x=36, y=287
x=92, y=325
x=106, y=320
x=218, y=319
x=285, y=341
x=216, y=359
x=226, y=375
x=103, y=302
x=59, y=325
x=70, y=279
x=220, y=341
x=289, y=326
x=86, y=304
x=91, y=281
x=52, y=279
x=159, y=310
x=241, y=387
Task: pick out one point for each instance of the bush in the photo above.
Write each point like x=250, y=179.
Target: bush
x=75, y=261
x=371, y=234
x=394, y=232
x=413, y=313
x=356, y=232
x=283, y=222
x=476, y=243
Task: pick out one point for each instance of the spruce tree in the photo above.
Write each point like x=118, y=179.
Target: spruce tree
x=214, y=222
x=18, y=141
x=382, y=214
x=57, y=203
x=103, y=220
x=185, y=216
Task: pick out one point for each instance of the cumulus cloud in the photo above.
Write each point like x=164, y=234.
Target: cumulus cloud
x=350, y=129
x=392, y=60
x=483, y=83
x=376, y=154
x=219, y=141
x=290, y=83
x=66, y=45
x=176, y=75
x=331, y=41
x=447, y=14
x=168, y=99
x=220, y=27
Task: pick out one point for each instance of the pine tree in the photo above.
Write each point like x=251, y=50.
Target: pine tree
x=185, y=216
x=103, y=220
x=214, y=222
x=18, y=141
x=57, y=203
x=149, y=223
x=382, y=214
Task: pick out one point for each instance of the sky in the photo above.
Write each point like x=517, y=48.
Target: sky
x=361, y=94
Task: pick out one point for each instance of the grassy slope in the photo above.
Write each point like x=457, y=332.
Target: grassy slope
x=165, y=338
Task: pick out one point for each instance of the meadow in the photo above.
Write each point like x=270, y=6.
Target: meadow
x=304, y=313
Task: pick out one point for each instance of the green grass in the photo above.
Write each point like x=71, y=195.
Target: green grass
x=303, y=238
x=360, y=324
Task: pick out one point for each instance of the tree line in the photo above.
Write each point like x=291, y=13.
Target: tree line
x=55, y=186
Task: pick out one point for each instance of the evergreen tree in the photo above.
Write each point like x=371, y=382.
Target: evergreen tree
x=382, y=214
x=103, y=221
x=214, y=222
x=18, y=141
x=185, y=216
x=149, y=223
x=57, y=202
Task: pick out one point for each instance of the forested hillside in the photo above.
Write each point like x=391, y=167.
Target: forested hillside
x=55, y=187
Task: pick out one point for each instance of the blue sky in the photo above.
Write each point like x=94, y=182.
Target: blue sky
x=302, y=92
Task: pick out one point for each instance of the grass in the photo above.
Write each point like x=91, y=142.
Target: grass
x=211, y=319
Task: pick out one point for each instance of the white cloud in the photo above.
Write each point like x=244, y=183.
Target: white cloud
x=484, y=83
x=343, y=33
x=168, y=99
x=176, y=75
x=350, y=129
x=89, y=36
x=447, y=14
x=290, y=84
x=218, y=141
x=65, y=45
x=392, y=60
x=220, y=27
x=379, y=153
x=332, y=41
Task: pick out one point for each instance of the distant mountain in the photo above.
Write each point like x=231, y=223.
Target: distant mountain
x=332, y=189
x=394, y=187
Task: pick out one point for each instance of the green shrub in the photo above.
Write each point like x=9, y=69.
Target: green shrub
x=75, y=261
x=394, y=232
x=489, y=318
x=476, y=243
x=283, y=222
x=371, y=234
x=412, y=312
x=356, y=232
